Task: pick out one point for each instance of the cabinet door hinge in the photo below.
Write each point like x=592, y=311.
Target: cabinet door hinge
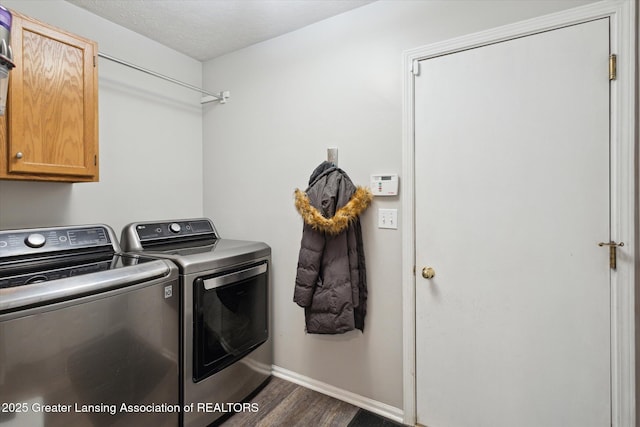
x=95, y=61
x=95, y=160
x=613, y=62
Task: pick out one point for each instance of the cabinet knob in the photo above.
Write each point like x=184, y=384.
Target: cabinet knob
x=19, y=155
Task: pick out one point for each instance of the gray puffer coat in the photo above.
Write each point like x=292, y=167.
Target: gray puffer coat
x=331, y=276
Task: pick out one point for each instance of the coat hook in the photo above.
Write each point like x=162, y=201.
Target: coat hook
x=332, y=155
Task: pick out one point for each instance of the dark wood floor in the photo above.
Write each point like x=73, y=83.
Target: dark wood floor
x=282, y=403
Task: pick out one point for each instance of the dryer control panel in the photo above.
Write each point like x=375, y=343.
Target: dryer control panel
x=151, y=231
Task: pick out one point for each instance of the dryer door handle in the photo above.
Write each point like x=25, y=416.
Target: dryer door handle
x=236, y=276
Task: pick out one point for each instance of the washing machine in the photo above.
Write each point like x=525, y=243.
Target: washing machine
x=88, y=336
x=226, y=348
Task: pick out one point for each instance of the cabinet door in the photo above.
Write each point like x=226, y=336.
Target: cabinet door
x=52, y=111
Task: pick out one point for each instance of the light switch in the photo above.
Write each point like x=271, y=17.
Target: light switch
x=388, y=218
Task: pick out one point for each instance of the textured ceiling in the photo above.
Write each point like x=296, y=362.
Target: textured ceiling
x=205, y=29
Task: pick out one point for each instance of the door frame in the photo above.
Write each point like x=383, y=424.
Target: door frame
x=624, y=200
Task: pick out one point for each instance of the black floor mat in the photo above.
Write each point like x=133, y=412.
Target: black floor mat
x=367, y=419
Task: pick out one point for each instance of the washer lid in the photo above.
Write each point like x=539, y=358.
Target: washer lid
x=34, y=285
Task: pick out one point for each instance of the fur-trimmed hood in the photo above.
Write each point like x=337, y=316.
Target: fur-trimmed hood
x=344, y=216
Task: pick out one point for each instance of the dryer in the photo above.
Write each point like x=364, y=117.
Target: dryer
x=226, y=348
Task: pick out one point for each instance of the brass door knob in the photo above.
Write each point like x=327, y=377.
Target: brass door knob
x=428, y=273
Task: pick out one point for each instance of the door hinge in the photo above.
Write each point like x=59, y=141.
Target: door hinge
x=415, y=67
x=613, y=63
x=613, y=252
x=95, y=160
x=95, y=61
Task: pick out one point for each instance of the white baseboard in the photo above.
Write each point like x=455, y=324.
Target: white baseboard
x=382, y=409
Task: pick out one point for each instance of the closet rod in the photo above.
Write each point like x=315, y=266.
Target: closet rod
x=210, y=97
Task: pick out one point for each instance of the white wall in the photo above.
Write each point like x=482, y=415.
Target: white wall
x=335, y=83
x=150, y=135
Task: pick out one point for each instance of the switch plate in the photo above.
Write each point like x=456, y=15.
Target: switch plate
x=388, y=218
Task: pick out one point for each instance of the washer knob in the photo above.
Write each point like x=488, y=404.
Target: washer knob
x=175, y=227
x=35, y=240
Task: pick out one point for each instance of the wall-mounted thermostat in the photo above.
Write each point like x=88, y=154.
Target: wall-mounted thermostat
x=384, y=185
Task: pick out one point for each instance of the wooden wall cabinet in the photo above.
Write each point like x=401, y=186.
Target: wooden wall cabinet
x=50, y=129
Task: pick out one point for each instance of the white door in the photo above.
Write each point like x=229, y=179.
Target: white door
x=512, y=197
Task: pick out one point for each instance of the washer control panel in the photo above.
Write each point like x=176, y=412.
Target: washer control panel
x=30, y=241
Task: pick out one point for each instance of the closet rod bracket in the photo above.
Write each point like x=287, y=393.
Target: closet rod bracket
x=221, y=97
